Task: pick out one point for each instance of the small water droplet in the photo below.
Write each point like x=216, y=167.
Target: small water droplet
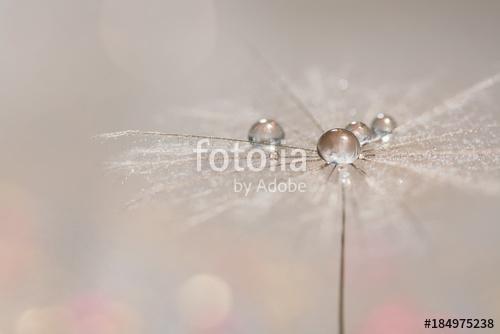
x=266, y=132
x=361, y=131
x=383, y=126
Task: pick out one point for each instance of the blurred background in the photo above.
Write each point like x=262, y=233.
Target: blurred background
x=72, y=260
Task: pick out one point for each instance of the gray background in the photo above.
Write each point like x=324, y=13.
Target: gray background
x=72, y=69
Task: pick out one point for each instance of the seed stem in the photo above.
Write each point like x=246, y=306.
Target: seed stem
x=342, y=263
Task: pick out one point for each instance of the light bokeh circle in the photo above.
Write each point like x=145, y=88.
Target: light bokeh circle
x=204, y=301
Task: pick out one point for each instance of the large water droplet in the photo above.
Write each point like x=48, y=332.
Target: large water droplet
x=338, y=146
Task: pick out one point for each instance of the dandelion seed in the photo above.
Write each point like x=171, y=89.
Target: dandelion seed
x=437, y=147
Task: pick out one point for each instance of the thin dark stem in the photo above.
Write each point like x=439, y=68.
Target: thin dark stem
x=342, y=263
x=359, y=169
x=331, y=173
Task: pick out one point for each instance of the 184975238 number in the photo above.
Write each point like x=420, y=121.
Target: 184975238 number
x=459, y=323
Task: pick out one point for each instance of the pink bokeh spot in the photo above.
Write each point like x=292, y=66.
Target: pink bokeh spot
x=93, y=314
x=394, y=318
